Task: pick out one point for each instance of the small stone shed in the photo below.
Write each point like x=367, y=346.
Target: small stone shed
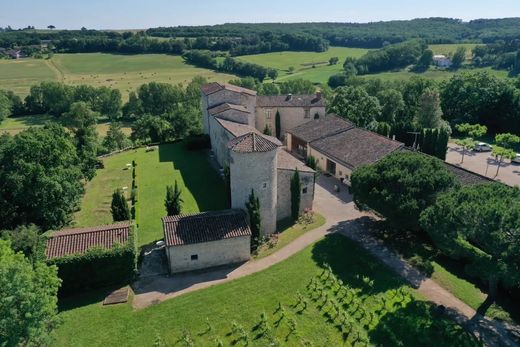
x=207, y=239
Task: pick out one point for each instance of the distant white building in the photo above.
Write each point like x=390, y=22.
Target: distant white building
x=441, y=60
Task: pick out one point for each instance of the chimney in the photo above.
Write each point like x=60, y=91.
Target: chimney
x=318, y=95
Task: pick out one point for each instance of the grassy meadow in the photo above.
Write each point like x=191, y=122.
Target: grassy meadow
x=14, y=125
x=202, y=188
x=370, y=305
x=123, y=72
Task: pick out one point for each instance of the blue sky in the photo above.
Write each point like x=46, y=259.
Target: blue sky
x=136, y=14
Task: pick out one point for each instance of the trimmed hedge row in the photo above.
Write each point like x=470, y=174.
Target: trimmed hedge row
x=98, y=267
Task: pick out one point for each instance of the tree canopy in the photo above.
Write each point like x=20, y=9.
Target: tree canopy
x=28, y=299
x=479, y=225
x=400, y=186
x=354, y=104
x=40, y=181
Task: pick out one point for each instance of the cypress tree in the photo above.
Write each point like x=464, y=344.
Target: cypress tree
x=119, y=207
x=253, y=209
x=295, y=195
x=278, y=125
x=173, y=201
x=442, y=144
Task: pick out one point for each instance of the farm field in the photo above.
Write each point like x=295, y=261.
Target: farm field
x=14, y=125
x=231, y=313
x=449, y=49
x=202, y=188
x=123, y=72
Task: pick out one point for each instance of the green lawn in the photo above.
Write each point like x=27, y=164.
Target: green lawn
x=287, y=233
x=449, y=49
x=408, y=323
x=14, y=125
x=123, y=72
x=202, y=188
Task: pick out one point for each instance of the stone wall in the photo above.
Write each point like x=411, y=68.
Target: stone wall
x=341, y=171
x=284, y=192
x=219, y=141
x=209, y=254
x=220, y=97
x=255, y=171
x=290, y=117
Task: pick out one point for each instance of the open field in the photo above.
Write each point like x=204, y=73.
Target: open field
x=206, y=316
x=303, y=62
x=14, y=125
x=449, y=49
x=123, y=72
x=202, y=188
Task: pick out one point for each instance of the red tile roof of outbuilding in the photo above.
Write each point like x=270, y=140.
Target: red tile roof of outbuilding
x=205, y=227
x=79, y=240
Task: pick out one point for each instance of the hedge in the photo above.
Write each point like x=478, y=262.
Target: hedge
x=98, y=267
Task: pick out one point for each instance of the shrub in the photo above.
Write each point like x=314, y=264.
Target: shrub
x=424, y=265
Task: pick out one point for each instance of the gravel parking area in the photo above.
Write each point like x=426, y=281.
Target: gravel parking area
x=485, y=164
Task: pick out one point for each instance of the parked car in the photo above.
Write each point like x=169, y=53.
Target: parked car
x=483, y=147
x=516, y=159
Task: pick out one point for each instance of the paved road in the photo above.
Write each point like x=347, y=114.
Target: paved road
x=343, y=218
x=485, y=164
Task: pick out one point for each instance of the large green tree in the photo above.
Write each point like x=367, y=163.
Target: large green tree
x=480, y=226
x=392, y=104
x=354, y=104
x=40, y=180
x=400, y=186
x=28, y=299
x=5, y=106
x=429, y=112
x=458, y=57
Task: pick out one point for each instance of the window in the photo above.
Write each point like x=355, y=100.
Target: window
x=194, y=257
x=307, y=113
x=304, y=190
x=268, y=114
x=264, y=185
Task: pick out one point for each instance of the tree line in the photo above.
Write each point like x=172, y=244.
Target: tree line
x=409, y=106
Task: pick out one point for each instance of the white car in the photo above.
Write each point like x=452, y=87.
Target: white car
x=516, y=159
x=483, y=147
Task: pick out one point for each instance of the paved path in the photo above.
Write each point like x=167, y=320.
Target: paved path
x=342, y=218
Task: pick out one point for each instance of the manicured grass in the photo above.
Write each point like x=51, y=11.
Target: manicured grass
x=123, y=72
x=95, y=205
x=86, y=322
x=303, y=62
x=287, y=233
x=202, y=188
x=14, y=125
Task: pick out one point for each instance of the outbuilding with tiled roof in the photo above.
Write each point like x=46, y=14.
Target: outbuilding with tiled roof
x=208, y=239
x=75, y=241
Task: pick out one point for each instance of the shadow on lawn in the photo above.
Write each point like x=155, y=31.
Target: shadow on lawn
x=204, y=183
x=350, y=263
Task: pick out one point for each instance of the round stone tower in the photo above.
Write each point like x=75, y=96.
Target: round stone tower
x=253, y=166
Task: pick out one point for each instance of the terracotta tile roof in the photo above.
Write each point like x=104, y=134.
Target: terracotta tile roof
x=287, y=161
x=225, y=107
x=80, y=240
x=319, y=128
x=254, y=142
x=205, y=227
x=214, y=87
x=356, y=147
x=236, y=129
x=290, y=101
